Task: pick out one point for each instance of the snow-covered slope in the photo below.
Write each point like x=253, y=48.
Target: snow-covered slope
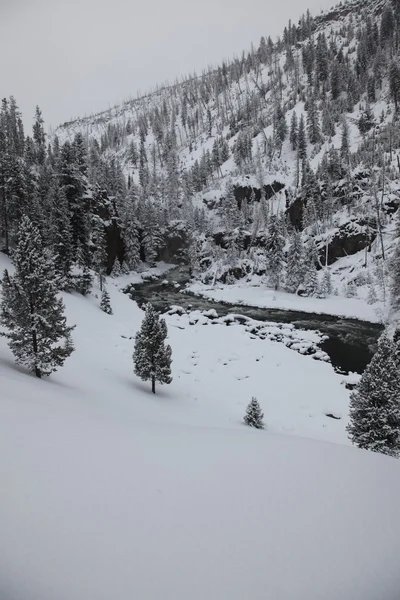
x=111, y=492
x=186, y=146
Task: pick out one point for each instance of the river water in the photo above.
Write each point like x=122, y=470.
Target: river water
x=350, y=345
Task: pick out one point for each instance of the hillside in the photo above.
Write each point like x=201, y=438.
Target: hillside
x=216, y=157
x=110, y=491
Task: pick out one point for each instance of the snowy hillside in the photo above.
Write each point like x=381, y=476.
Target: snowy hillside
x=304, y=128
x=273, y=181
x=110, y=491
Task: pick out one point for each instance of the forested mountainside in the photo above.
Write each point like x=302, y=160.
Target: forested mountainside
x=282, y=163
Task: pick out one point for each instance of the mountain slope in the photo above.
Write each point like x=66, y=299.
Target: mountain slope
x=221, y=152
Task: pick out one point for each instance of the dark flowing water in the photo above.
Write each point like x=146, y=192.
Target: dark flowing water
x=350, y=345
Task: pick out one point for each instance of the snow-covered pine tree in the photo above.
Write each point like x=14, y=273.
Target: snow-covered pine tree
x=59, y=235
x=151, y=233
x=294, y=130
x=116, y=270
x=105, y=302
x=295, y=266
x=375, y=403
x=131, y=240
x=99, y=250
x=151, y=357
x=326, y=283
x=254, y=415
x=311, y=279
x=31, y=312
x=83, y=279
x=275, y=256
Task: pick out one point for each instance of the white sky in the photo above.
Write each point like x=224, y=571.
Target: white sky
x=75, y=57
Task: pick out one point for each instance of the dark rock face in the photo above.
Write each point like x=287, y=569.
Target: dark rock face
x=295, y=213
x=235, y=273
x=176, y=241
x=349, y=239
x=249, y=192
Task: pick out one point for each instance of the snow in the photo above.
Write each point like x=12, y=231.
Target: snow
x=112, y=492
x=256, y=293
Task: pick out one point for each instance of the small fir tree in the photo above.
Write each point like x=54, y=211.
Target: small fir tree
x=326, y=283
x=105, y=302
x=31, y=312
x=254, y=415
x=116, y=270
x=375, y=404
x=151, y=357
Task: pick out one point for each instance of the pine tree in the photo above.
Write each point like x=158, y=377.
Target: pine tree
x=375, y=404
x=105, y=302
x=275, y=257
x=151, y=357
x=131, y=241
x=99, y=250
x=31, y=312
x=326, y=284
x=294, y=131
x=61, y=238
x=83, y=279
x=311, y=279
x=345, y=143
x=302, y=140
x=151, y=233
x=116, y=270
x=295, y=267
x=254, y=415
x=314, y=128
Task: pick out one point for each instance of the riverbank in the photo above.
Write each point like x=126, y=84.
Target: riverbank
x=256, y=294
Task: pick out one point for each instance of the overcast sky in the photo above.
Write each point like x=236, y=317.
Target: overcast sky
x=75, y=57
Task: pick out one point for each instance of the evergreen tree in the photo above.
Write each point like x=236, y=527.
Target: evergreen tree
x=105, y=303
x=345, y=143
x=151, y=357
x=254, y=415
x=275, y=257
x=116, y=270
x=294, y=131
x=295, y=267
x=151, y=233
x=375, y=404
x=99, y=250
x=311, y=279
x=61, y=237
x=83, y=279
x=326, y=284
x=31, y=312
x=131, y=233
x=302, y=140
x=314, y=129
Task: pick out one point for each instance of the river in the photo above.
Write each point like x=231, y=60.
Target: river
x=350, y=345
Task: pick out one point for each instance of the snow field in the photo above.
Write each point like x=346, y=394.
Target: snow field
x=111, y=492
